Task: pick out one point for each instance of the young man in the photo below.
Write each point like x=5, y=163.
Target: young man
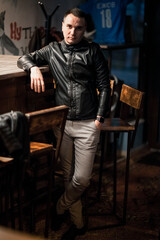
x=79, y=68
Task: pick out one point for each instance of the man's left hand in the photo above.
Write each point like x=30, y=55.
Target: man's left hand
x=98, y=124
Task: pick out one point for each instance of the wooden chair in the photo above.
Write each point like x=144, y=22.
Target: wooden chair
x=39, y=122
x=133, y=99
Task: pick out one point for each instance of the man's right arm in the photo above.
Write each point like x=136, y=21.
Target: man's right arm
x=37, y=82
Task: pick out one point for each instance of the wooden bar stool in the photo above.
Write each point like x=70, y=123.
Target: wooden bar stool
x=43, y=157
x=132, y=98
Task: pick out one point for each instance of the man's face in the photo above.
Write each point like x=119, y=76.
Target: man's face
x=73, y=29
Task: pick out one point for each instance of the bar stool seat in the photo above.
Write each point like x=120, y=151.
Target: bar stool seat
x=37, y=147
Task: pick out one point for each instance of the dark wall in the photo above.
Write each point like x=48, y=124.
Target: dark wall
x=152, y=70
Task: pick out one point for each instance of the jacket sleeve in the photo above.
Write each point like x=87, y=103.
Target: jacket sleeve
x=102, y=82
x=37, y=58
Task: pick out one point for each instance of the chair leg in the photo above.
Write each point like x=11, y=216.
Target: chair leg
x=115, y=173
x=33, y=203
x=19, y=190
x=50, y=185
x=12, y=207
x=4, y=197
x=114, y=169
x=19, y=209
x=126, y=178
x=7, y=216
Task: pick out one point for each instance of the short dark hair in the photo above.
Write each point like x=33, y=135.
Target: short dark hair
x=76, y=12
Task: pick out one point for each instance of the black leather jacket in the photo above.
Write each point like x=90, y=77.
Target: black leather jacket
x=78, y=71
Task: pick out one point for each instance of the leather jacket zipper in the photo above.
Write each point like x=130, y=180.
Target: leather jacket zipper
x=71, y=81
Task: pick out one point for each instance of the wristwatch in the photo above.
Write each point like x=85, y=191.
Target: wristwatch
x=100, y=119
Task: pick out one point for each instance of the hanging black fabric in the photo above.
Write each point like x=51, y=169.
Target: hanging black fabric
x=14, y=136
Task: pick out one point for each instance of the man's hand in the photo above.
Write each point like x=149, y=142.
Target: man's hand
x=37, y=81
x=98, y=124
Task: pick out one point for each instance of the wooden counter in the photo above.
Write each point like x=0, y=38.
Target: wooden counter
x=15, y=92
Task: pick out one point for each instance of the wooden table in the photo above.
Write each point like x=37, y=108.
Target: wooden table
x=15, y=92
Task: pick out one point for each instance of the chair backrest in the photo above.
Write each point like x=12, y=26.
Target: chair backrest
x=131, y=103
x=131, y=96
x=47, y=119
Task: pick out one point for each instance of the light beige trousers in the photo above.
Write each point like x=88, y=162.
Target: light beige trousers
x=77, y=155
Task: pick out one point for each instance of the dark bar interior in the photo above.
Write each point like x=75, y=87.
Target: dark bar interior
x=121, y=198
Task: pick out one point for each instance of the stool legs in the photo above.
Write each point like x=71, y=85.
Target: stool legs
x=115, y=173
x=114, y=169
x=49, y=198
x=126, y=178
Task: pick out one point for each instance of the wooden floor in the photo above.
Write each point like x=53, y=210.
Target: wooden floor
x=143, y=214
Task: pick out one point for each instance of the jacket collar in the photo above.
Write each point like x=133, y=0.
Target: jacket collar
x=74, y=47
